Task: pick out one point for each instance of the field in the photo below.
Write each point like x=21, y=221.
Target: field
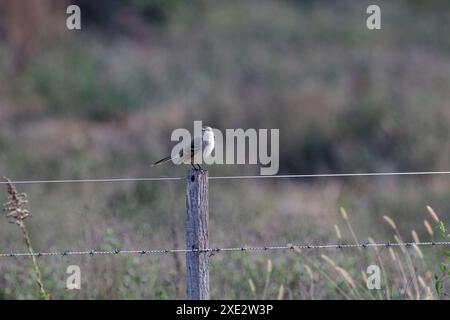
x=102, y=103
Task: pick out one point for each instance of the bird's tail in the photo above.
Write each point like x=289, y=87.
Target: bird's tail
x=163, y=160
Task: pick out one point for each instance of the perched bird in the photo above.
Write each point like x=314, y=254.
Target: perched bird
x=190, y=154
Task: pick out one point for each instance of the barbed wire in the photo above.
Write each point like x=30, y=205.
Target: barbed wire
x=279, y=176
x=228, y=249
x=292, y=247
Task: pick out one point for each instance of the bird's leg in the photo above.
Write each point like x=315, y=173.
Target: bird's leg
x=193, y=166
x=201, y=169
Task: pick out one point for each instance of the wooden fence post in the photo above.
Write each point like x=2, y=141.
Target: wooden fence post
x=197, y=235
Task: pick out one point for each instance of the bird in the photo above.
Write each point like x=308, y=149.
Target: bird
x=189, y=154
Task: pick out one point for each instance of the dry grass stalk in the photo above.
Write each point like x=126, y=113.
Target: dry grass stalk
x=268, y=274
x=252, y=286
x=399, y=264
x=422, y=282
x=433, y=214
x=428, y=291
x=415, y=236
x=364, y=276
x=311, y=277
x=344, y=274
x=338, y=232
x=269, y=266
x=344, y=214
x=328, y=259
x=280, y=293
x=428, y=227
x=419, y=252
x=320, y=271
x=16, y=214
x=390, y=222
x=350, y=228
x=409, y=262
x=380, y=262
x=346, y=277
x=392, y=254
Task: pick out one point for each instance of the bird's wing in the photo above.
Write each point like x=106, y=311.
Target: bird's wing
x=190, y=150
x=196, y=145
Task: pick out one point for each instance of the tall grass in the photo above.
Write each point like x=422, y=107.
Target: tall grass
x=406, y=273
x=16, y=214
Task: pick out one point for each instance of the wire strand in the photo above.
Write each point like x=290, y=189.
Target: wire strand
x=217, y=250
x=336, y=175
x=282, y=176
x=91, y=180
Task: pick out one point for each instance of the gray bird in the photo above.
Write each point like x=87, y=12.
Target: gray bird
x=190, y=154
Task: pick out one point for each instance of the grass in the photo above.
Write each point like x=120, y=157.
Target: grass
x=407, y=273
x=16, y=214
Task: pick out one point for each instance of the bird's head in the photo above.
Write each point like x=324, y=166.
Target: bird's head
x=208, y=132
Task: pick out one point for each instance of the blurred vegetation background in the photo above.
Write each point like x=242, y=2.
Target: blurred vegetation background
x=102, y=102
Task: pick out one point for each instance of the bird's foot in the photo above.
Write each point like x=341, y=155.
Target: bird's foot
x=198, y=168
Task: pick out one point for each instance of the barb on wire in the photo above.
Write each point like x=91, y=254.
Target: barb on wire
x=226, y=249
